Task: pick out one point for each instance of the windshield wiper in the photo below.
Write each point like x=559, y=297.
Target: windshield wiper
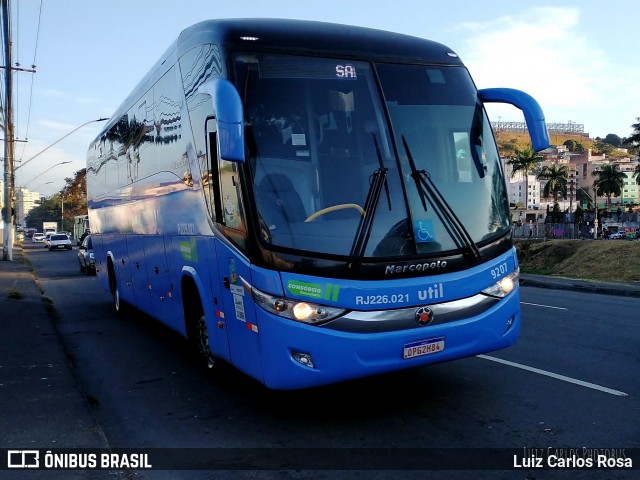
x=429, y=192
x=363, y=232
x=476, y=141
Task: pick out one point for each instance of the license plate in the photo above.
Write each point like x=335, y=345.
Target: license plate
x=420, y=348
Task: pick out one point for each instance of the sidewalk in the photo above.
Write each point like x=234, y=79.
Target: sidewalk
x=41, y=403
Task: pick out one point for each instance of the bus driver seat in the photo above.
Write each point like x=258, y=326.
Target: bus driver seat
x=278, y=201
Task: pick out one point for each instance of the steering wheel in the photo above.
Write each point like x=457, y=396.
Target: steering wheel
x=333, y=208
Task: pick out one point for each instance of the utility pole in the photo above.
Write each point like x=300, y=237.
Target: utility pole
x=7, y=211
x=9, y=136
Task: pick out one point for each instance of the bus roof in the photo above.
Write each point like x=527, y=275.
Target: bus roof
x=315, y=37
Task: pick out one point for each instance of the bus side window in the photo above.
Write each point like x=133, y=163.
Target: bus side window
x=230, y=195
x=221, y=182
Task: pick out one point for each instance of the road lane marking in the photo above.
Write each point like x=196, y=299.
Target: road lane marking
x=545, y=306
x=555, y=375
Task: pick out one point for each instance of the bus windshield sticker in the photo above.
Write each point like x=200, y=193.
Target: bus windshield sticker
x=423, y=231
x=298, y=139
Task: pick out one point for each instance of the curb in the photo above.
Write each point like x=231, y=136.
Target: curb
x=621, y=290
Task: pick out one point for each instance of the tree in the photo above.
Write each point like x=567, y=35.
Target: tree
x=74, y=196
x=634, y=139
x=636, y=173
x=525, y=161
x=574, y=146
x=556, y=176
x=48, y=211
x=67, y=203
x=613, y=139
x=609, y=182
x=602, y=146
x=556, y=213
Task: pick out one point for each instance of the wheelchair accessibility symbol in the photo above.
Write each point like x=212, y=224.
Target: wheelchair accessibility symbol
x=423, y=231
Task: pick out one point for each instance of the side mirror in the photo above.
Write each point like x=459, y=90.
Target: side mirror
x=229, y=113
x=533, y=114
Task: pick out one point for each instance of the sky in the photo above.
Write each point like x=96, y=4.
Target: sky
x=579, y=59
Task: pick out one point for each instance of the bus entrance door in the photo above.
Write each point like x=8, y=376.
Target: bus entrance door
x=240, y=315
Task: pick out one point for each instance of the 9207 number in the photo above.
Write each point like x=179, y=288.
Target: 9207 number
x=499, y=271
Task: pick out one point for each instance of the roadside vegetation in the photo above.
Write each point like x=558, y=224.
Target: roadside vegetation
x=603, y=260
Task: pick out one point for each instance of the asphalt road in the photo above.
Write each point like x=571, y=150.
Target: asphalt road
x=572, y=380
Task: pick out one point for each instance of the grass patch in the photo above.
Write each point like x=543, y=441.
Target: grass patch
x=605, y=260
x=14, y=293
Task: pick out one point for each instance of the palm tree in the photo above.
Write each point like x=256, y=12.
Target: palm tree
x=556, y=176
x=525, y=161
x=634, y=139
x=636, y=173
x=609, y=182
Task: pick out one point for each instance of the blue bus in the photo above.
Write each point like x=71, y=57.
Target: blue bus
x=310, y=202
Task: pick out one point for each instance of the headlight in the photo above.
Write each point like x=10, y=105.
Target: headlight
x=301, y=311
x=504, y=286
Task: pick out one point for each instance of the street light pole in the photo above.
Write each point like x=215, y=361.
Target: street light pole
x=40, y=174
x=9, y=171
x=102, y=119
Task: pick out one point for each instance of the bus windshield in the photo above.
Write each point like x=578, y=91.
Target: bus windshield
x=324, y=162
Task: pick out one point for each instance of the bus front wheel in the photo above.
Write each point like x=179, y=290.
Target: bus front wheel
x=203, y=349
x=196, y=325
x=118, y=304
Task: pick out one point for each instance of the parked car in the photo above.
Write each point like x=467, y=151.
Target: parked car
x=37, y=237
x=85, y=257
x=617, y=235
x=59, y=241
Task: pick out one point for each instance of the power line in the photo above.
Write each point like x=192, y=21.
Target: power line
x=33, y=66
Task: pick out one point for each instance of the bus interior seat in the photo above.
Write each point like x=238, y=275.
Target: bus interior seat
x=278, y=201
x=340, y=164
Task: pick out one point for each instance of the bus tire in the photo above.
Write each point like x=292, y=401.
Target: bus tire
x=119, y=305
x=202, y=342
x=196, y=325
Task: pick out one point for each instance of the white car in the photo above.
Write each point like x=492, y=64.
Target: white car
x=59, y=241
x=37, y=238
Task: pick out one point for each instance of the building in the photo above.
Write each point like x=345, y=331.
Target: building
x=630, y=190
x=584, y=166
x=26, y=200
x=518, y=196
